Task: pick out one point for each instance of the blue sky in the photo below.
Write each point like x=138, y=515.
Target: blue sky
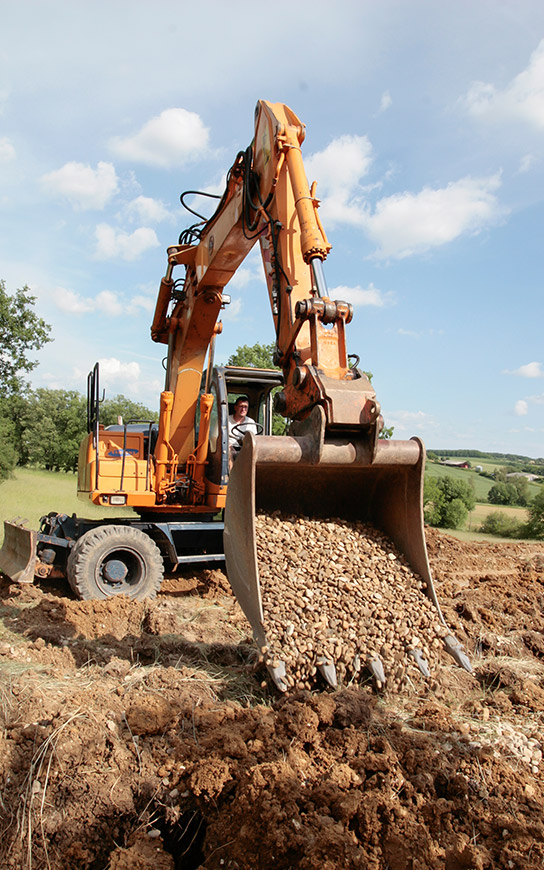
x=425, y=127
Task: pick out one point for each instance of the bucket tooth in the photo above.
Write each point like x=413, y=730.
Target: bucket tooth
x=278, y=674
x=455, y=649
x=328, y=671
x=420, y=661
x=375, y=667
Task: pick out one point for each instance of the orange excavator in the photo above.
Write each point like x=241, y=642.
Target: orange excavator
x=175, y=475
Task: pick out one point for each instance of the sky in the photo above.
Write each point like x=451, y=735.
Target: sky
x=424, y=132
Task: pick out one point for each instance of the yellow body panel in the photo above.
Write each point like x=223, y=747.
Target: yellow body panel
x=134, y=473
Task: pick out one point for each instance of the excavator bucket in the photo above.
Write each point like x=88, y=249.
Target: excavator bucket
x=339, y=481
x=18, y=553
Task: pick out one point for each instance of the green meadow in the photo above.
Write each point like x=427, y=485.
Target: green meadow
x=34, y=492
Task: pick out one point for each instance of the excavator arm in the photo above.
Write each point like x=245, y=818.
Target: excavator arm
x=267, y=198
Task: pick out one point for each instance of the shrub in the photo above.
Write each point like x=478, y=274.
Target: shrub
x=497, y=523
x=447, y=501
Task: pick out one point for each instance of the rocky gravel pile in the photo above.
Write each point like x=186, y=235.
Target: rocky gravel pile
x=338, y=591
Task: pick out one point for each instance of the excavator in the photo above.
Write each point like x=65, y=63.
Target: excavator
x=188, y=503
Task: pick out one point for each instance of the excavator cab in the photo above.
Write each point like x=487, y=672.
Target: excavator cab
x=229, y=382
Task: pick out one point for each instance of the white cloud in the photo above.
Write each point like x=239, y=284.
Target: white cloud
x=521, y=408
x=113, y=371
x=521, y=99
x=175, y=137
x=410, y=421
x=530, y=370
x=84, y=187
x=361, y=296
x=233, y=310
x=145, y=209
x=338, y=170
x=7, y=151
x=108, y=303
x=117, y=244
x=408, y=223
x=386, y=101
x=105, y=302
x=147, y=303
x=252, y=271
x=405, y=223
x=527, y=162
x=71, y=302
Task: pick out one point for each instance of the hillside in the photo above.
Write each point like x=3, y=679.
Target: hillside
x=493, y=460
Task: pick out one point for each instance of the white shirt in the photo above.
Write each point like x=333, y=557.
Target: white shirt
x=245, y=425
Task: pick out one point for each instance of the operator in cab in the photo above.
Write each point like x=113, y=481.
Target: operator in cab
x=239, y=424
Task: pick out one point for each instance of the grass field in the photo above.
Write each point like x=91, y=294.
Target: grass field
x=488, y=465
x=482, y=485
x=33, y=492
x=482, y=510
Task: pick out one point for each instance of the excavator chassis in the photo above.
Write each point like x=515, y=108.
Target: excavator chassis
x=303, y=476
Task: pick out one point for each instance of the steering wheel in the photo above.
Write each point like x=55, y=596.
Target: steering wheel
x=242, y=429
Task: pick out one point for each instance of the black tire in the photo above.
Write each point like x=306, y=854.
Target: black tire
x=115, y=560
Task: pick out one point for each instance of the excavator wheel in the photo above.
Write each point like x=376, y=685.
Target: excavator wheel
x=115, y=560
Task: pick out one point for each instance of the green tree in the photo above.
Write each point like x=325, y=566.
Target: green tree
x=502, y=493
x=535, y=525
x=21, y=331
x=8, y=452
x=447, y=501
x=120, y=406
x=523, y=495
x=257, y=356
x=387, y=432
x=499, y=474
x=54, y=424
x=516, y=491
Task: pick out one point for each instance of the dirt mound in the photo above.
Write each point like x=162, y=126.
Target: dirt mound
x=138, y=735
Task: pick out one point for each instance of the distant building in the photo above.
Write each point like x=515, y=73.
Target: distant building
x=525, y=474
x=453, y=464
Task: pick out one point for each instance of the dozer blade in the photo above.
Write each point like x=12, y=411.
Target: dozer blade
x=18, y=553
x=336, y=480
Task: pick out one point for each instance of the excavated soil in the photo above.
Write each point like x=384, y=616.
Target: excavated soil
x=145, y=735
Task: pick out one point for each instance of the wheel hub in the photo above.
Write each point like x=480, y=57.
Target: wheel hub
x=115, y=571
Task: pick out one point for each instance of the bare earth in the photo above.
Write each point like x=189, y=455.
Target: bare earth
x=139, y=735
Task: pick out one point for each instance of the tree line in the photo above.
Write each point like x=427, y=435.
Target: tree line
x=46, y=427
x=41, y=427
